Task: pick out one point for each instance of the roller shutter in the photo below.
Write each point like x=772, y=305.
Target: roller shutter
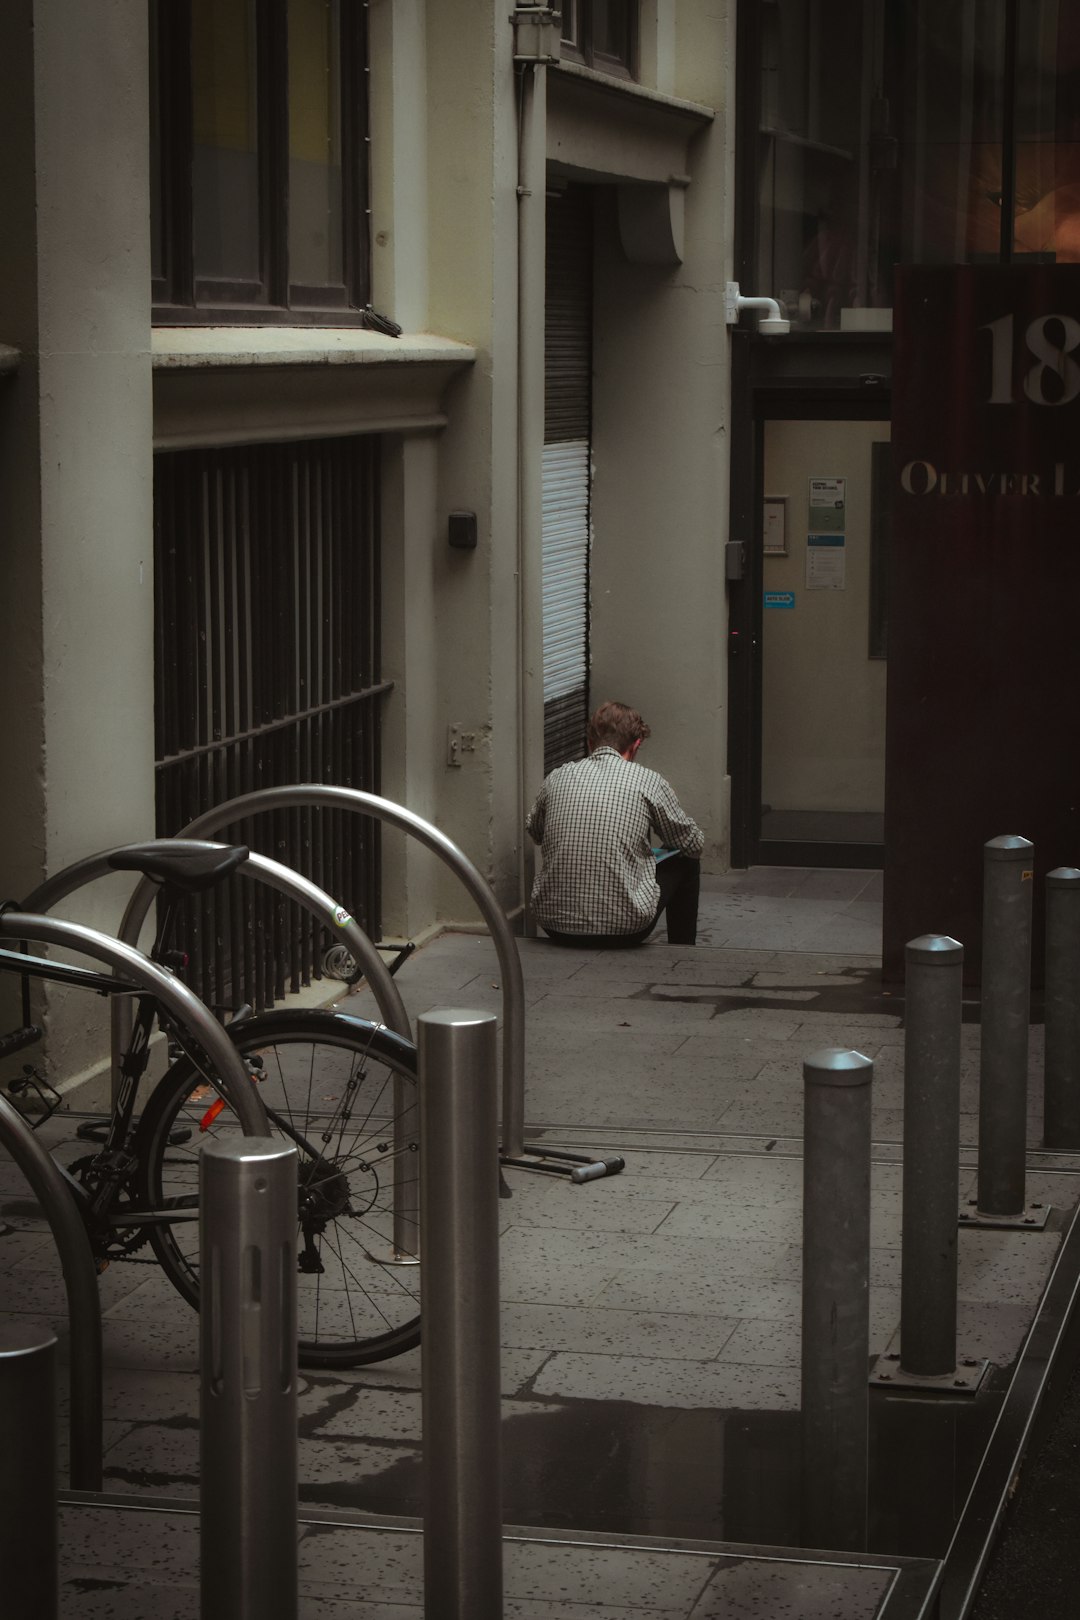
x=567, y=473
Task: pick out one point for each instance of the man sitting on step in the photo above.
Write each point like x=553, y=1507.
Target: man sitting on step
x=598, y=821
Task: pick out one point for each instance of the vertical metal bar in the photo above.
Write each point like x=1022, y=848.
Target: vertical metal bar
x=203, y=628
x=28, y=1505
x=1008, y=873
x=244, y=657
x=460, y=1302
x=295, y=465
x=259, y=900
x=260, y=629
x=1061, y=1079
x=230, y=698
x=298, y=929
x=325, y=541
x=276, y=965
x=269, y=900
x=301, y=737
x=835, y=1299
x=319, y=550
x=165, y=606
x=198, y=903
x=215, y=646
x=269, y=642
x=933, y=994
x=301, y=698
x=248, y=1460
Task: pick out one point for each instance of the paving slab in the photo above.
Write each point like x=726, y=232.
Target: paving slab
x=127, y=1563
x=651, y=1341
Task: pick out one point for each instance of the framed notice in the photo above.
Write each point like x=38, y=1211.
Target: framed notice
x=828, y=499
x=774, y=526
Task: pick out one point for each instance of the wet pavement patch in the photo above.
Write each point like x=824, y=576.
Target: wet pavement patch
x=733, y=1476
x=863, y=992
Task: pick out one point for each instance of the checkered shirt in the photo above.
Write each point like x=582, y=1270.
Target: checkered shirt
x=592, y=820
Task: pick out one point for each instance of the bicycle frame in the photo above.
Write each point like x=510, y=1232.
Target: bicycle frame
x=296, y=887
x=136, y=968
x=96, y=1206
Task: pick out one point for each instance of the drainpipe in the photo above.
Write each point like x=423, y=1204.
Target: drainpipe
x=536, y=36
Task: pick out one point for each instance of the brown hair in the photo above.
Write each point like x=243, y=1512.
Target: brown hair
x=615, y=726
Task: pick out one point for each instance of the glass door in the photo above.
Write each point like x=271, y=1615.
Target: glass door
x=822, y=650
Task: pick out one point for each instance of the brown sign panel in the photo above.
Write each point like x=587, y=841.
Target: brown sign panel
x=983, y=729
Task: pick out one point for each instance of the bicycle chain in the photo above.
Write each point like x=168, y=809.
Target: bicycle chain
x=126, y=1246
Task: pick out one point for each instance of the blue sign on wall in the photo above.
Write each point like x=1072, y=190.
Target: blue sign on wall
x=779, y=599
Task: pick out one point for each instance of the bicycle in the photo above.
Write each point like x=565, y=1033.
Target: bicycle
x=341, y=1089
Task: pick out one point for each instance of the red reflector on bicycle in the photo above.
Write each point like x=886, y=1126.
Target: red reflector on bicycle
x=211, y=1114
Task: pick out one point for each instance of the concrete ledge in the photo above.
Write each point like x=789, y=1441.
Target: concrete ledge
x=605, y=128
x=211, y=347
x=629, y=90
x=212, y=385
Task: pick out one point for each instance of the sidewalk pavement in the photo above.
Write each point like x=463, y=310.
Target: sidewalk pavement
x=651, y=1336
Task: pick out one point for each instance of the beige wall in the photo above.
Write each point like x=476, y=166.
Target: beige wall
x=76, y=632
x=823, y=719
x=472, y=277
x=461, y=628
x=657, y=575
x=660, y=406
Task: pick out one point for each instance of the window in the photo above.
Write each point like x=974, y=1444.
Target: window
x=911, y=131
x=602, y=34
x=259, y=159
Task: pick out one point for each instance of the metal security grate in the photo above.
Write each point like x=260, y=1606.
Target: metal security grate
x=267, y=673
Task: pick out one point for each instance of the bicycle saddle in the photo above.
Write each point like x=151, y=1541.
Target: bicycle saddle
x=191, y=863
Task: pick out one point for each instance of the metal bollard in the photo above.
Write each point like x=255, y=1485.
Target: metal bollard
x=248, y=1484
x=1008, y=873
x=1061, y=1079
x=836, y=1299
x=28, y=1506
x=459, y=1216
x=933, y=994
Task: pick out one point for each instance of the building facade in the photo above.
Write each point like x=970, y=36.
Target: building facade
x=363, y=417
x=372, y=402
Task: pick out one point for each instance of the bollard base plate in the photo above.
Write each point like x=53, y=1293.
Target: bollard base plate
x=1032, y=1219
x=965, y=1378
x=391, y=1257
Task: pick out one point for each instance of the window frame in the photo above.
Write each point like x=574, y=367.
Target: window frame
x=178, y=296
x=889, y=149
x=578, y=46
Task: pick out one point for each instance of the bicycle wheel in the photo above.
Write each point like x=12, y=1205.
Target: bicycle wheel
x=344, y=1092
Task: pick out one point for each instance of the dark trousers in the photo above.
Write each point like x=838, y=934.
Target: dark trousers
x=679, y=877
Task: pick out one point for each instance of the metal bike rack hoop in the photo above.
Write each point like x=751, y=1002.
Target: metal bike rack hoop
x=80, y=1283
x=513, y=982
x=283, y=878
x=184, y=1005
x=296, y=887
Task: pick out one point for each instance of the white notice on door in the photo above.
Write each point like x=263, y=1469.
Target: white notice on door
x=825, y=559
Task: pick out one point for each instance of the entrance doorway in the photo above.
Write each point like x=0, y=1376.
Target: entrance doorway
x=823, y=652
x=809, y=627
